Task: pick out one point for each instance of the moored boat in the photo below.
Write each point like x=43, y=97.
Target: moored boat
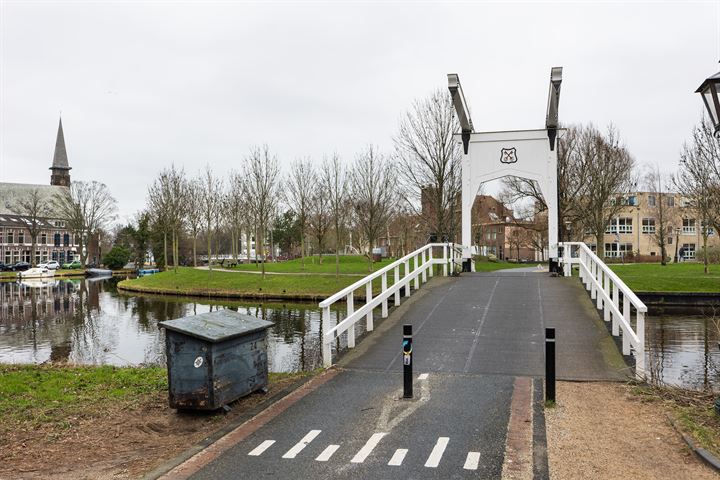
x=37, y=272
x=98, y=272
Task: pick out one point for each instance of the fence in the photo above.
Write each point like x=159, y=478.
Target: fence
x=606, y=288
x=422, y=268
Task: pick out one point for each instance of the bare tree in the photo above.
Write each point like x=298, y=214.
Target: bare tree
x=320, y=217
x=210, y=200
x=194, y=213
x=663, y=210
x=334, y=182
x=429, y=160
x=236, y=209
x=608, y=168
x=262, y=184
x=86, y=207
x=299, y=195
x=168, y=199
x=33, y=208
x=374, y=194
x=698, y=179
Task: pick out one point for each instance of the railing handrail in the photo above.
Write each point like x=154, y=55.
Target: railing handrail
x=372, y=276
x=639, y=305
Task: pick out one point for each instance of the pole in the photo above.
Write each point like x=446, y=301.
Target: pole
x=549, y=364
x=407, y=361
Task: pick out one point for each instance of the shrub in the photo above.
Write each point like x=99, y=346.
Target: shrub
x=117, y=257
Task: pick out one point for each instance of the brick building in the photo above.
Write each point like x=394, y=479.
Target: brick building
x=55, y=241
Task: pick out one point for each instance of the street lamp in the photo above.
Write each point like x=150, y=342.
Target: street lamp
x=709, y=92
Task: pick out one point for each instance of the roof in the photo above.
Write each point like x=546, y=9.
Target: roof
x=11, y=193
x=60, y=159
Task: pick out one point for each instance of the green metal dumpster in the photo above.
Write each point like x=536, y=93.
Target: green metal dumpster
x=215, y=358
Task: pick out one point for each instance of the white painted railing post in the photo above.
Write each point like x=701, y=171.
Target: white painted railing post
x=407, y=278
x=326, y=346
x=416, y=277
x=350, y=310
x=593, y=276
x=431, y=267
x=368, y=299
x=599, y=301
x=383, y=289
x=616, y=302
x=640, y=350
x=567, y=256
x=625, y=335
x=445, y=261
x=396, y=278
x=606, y=289
x=424, y=270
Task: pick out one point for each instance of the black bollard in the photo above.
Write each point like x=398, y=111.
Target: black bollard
x=407, y=362
x=549, y=364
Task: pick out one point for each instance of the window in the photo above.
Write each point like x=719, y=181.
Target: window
x=57, y=239
x=54, y=255
x=66, y=240
x=21, y=237
x=687, y=251
x=9, y=237
x=648, y=225
x=616, y=250
x=688, y=227
x=706, y=229
x=43, y=238
x=669, y=241
x=624, y=225
x=632, y=201
x=670, y=201
x=651, y=200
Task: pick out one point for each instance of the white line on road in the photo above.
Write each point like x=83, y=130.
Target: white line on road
x=423, y=376
x=257, y=451
x=361, y=455
x=292, y=453
x=327, y=453
x=437, y=452
x=472, y=461
x=398, y=457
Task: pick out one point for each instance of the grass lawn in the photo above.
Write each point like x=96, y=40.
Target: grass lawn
x=357, y=264
x=675, y=277
x=191, y=281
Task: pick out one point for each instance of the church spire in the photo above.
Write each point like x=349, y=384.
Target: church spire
x=60, y=168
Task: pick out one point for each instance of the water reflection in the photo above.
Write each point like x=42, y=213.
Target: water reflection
x=89, y=322
x=683, y=351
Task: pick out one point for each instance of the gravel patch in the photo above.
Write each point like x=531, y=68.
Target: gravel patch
x=601, y=431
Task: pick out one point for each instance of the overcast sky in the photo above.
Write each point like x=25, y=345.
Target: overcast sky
x=144, y=84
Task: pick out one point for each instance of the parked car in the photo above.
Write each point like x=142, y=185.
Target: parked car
x=21, y=266
x=4, y=267
x=72, y=265
x=51, y=265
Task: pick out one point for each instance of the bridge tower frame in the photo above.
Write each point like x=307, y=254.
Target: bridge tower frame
x=527, y=154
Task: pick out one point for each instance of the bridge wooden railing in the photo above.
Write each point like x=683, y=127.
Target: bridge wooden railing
x=610, y=292
x=422, y=261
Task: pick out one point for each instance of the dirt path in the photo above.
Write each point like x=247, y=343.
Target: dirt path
x=602, y=431
x=122, y=443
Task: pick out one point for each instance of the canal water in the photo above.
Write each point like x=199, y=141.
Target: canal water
x=90, y=322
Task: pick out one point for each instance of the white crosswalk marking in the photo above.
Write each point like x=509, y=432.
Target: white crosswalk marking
x=423, y=376
x=327, y=453
x=257, y=451
x=398, y=457
x=367, y=449
x=472, y=461
x=292, y=453
x=437, y=452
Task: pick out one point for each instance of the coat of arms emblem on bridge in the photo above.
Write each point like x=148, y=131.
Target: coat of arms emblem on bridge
x=508, y=155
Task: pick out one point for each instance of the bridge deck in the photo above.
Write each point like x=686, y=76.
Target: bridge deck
x=473, y=336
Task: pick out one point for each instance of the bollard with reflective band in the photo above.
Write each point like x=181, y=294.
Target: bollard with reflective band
x=550, y=364
x=407, y=361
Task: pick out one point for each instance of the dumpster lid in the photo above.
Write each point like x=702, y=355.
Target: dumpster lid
x=217, y=326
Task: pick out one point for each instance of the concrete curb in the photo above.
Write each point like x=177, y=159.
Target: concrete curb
x=169, y=465
x=704, y=455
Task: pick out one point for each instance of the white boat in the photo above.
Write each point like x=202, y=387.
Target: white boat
x=37, y=272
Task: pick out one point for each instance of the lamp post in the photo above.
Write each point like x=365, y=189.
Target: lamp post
x=709, y=90
x=677, y=240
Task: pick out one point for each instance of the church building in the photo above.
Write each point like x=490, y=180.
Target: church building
x=55, y=241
